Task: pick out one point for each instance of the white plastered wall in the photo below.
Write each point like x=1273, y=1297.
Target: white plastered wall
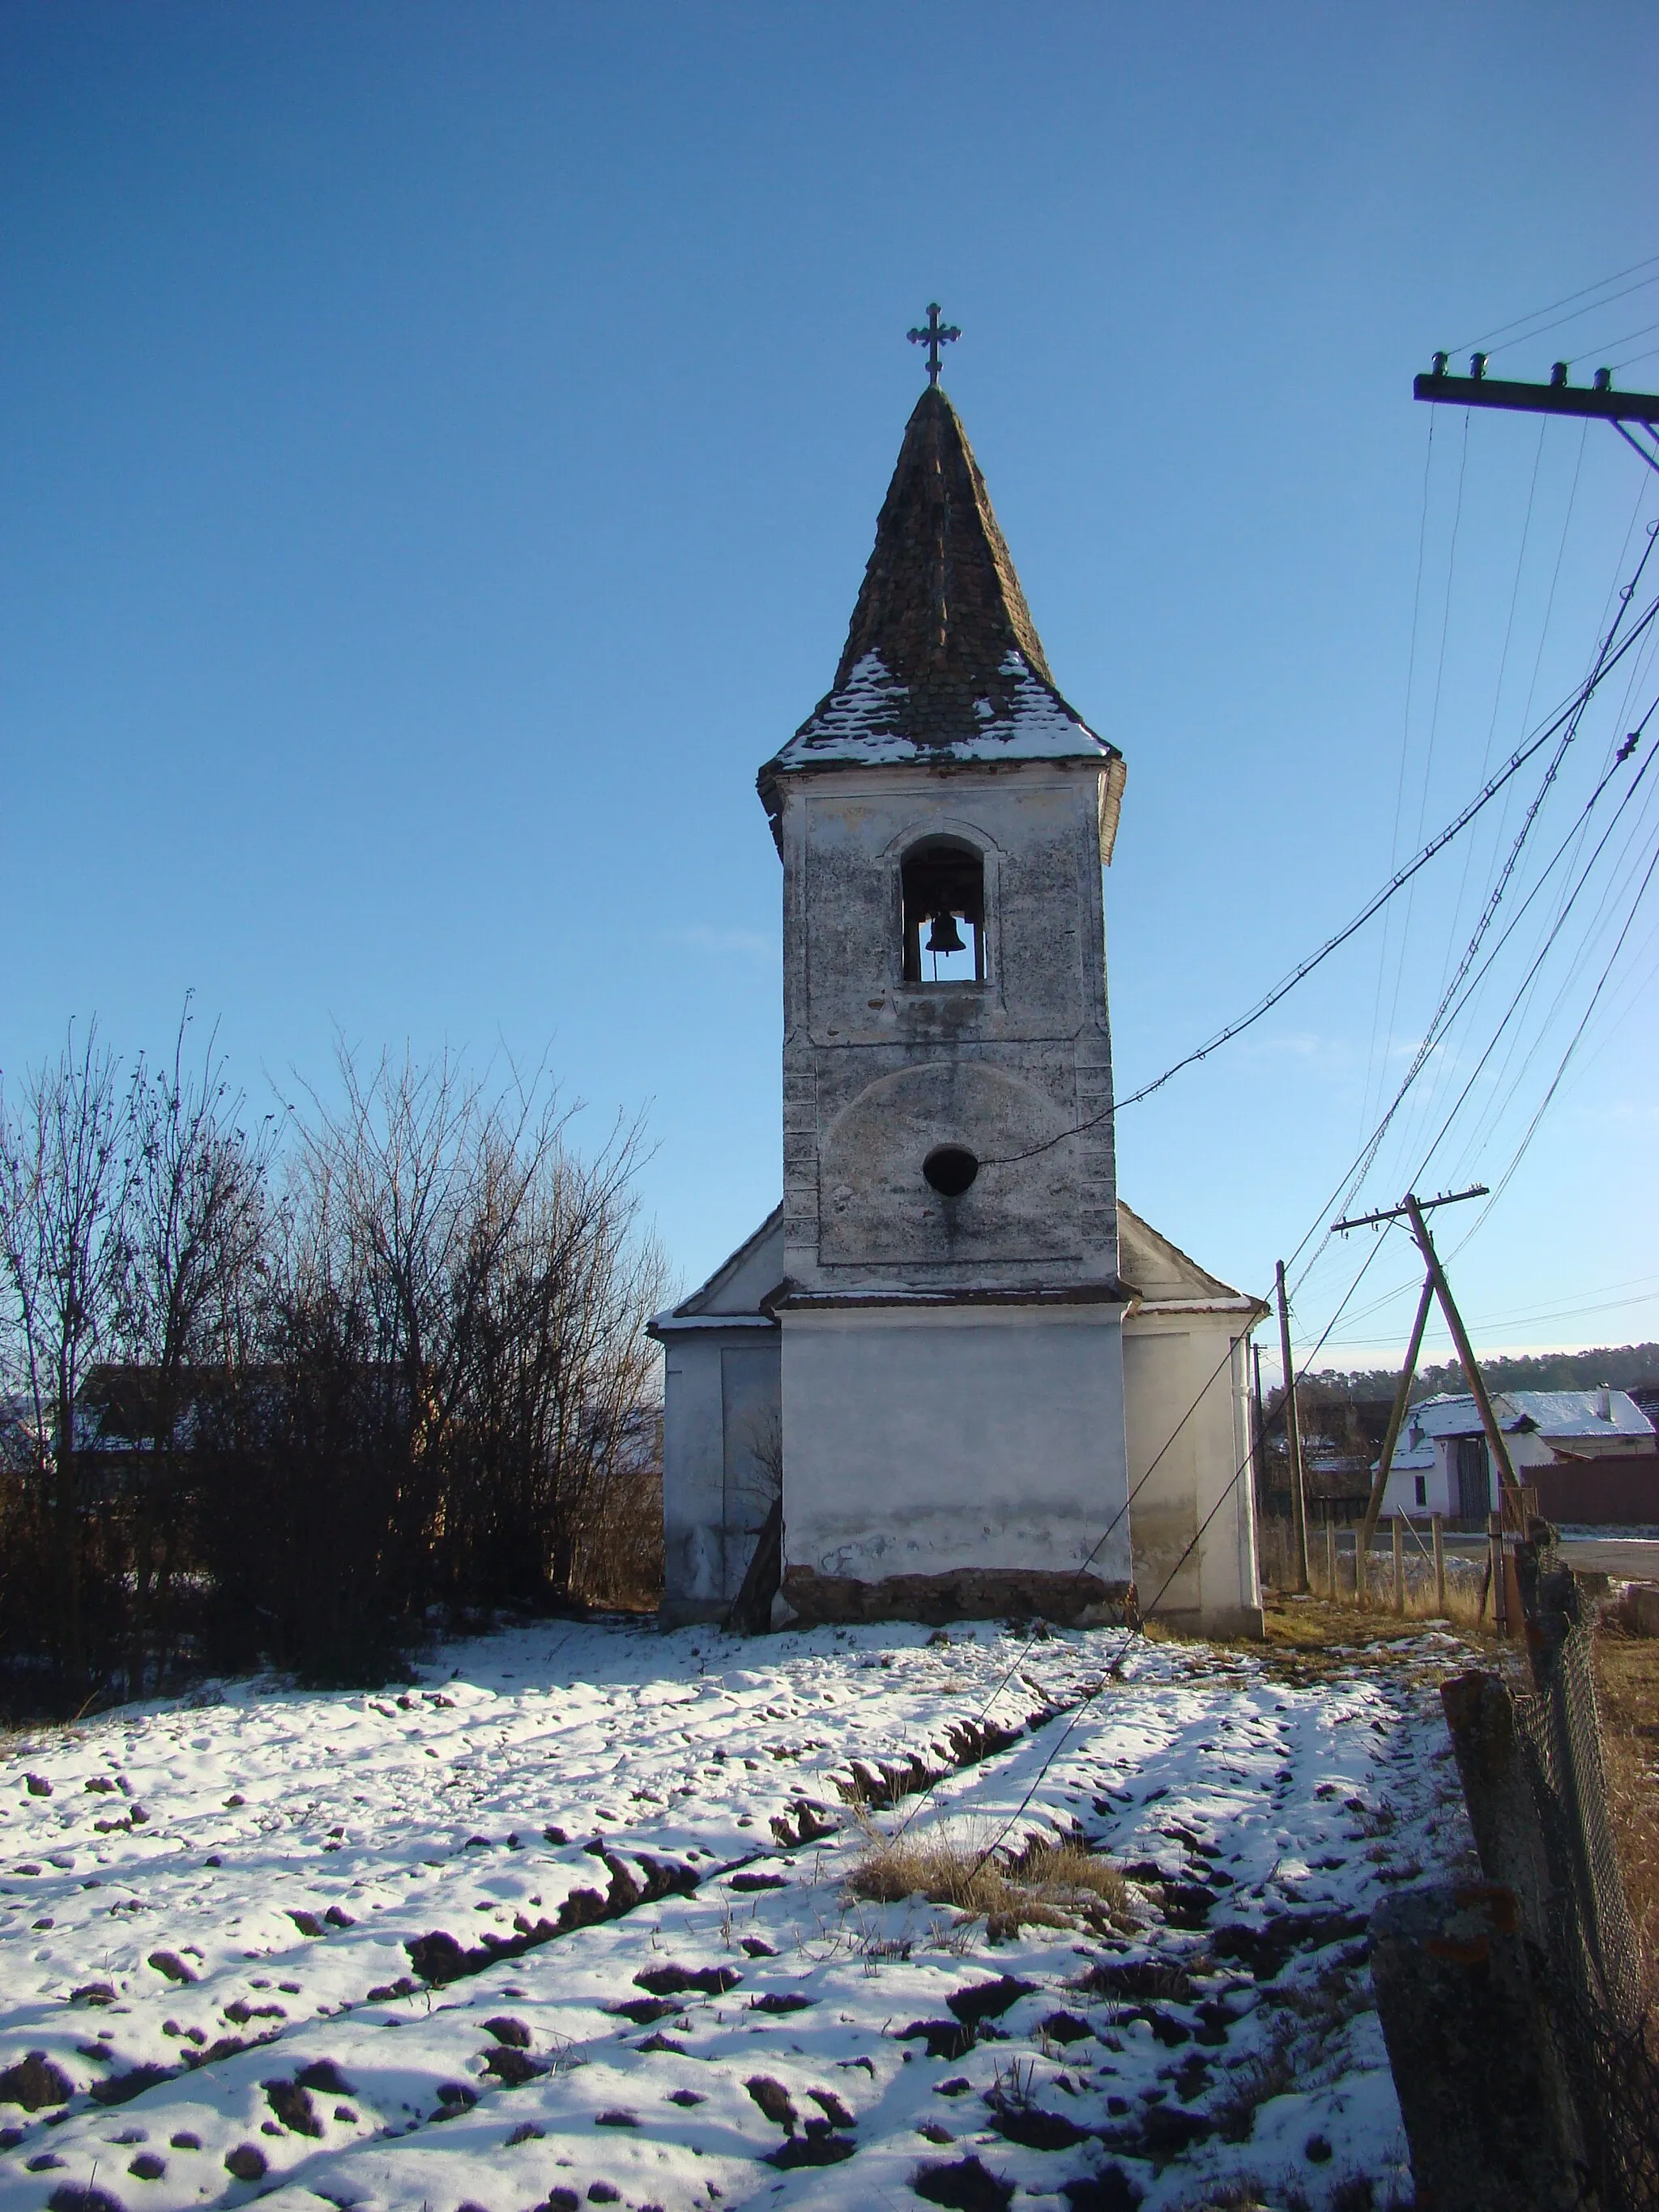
x=720, y=1395
x=1187, y=1408
x=920, y=1442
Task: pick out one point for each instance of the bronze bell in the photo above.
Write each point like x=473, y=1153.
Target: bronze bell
x=942, y=937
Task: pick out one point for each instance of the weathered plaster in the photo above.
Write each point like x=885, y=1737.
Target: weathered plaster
x=721, y=1398
x=1186, y=1393
x=951, y=1379
x=877, y=1071
x=929, y=1441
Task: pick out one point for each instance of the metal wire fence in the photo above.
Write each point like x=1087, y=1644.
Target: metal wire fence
x=1594, y=1989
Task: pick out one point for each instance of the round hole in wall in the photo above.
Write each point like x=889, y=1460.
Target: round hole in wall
x=950, y=1168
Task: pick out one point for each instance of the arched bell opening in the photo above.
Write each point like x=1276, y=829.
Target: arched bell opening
x=943, y=888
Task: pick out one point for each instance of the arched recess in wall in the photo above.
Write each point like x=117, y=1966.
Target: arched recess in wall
x=877, y=1204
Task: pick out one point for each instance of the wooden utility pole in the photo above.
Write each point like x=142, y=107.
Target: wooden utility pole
x=1293, y=1439
x=1500, y=1450
x=1437, y=1523
x=1259, y=1433
x=1436, y=1288
x=1390, y=1440
x=1557, y=397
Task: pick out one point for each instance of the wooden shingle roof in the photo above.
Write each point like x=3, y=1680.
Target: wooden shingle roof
x=942, y=660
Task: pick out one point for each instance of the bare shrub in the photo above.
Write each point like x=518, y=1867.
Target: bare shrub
x=462, y=1411
x=192, y=1243
x=618, y=1562
x=1255, y=2082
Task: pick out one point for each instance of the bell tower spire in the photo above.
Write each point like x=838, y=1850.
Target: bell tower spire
x=951, y=1308
x=943, y=663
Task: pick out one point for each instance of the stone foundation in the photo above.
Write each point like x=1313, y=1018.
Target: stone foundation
x=1072, y=1600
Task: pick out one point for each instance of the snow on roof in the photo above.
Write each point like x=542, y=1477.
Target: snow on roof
x=1576, y=1412
x=942, y=662
x=869, y=719
x=1552, y=1413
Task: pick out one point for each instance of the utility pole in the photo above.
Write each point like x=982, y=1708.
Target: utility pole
x=1391, y=1438
x=1436, y=1288
x=1500, y=1450
x=1292, y=1438
x=1557, y=397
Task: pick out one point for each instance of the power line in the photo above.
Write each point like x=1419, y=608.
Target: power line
x=1451, y=1005
x=1405, y=749
x=1555, y=930
x=1396, y=883
x=1573, y=1042
x=1606, y=345
x=1637, y=675
x=1434, y=720
x=1088, y=1695
x=1612, y=892
x=1602, y=287
x=1606, y=659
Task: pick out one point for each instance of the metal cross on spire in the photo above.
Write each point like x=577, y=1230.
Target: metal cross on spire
x=936, y=335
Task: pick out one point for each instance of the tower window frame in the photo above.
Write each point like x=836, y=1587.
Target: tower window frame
x=940, y=876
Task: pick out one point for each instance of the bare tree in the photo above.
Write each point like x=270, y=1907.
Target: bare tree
x=196, y=1226
x=568, y=1368
x=411, y=1369
x=63, y=1189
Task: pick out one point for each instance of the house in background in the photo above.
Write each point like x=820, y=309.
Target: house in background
x=1442, y=1464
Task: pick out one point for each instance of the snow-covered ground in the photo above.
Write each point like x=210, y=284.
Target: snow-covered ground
x=565, y=1922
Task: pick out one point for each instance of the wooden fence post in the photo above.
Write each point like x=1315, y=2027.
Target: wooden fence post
x=1436, y=1523
x=1330, y=1558
x=1500, y=1611
x=1502, y=1810
x=1396, y=1534
x=1482, y=2090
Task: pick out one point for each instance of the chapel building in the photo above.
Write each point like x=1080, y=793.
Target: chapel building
x=952, y=1375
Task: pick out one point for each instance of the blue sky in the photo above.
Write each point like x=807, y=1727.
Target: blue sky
x=442, y=444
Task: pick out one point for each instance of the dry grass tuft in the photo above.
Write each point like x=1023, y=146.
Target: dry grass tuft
x=1051, y=1884
x=1310, y=1637
x=1465, y=1574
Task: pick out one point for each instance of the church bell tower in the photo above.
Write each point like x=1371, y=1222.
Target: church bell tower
x=953, y=1422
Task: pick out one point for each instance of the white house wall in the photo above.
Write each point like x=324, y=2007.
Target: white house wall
x=1527, y=1448
x=714, y=1380
x=1188, y=1439
x=949, y=1464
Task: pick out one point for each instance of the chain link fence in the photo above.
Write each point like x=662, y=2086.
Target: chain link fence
x=1595, y=1983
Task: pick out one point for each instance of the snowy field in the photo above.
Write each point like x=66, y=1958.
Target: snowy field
x=565, y=1922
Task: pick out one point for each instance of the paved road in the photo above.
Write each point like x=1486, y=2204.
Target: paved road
x=1632, y=1558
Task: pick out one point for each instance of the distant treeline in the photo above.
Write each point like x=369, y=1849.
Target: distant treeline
x=288, y=1390
x=1615, y=1367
